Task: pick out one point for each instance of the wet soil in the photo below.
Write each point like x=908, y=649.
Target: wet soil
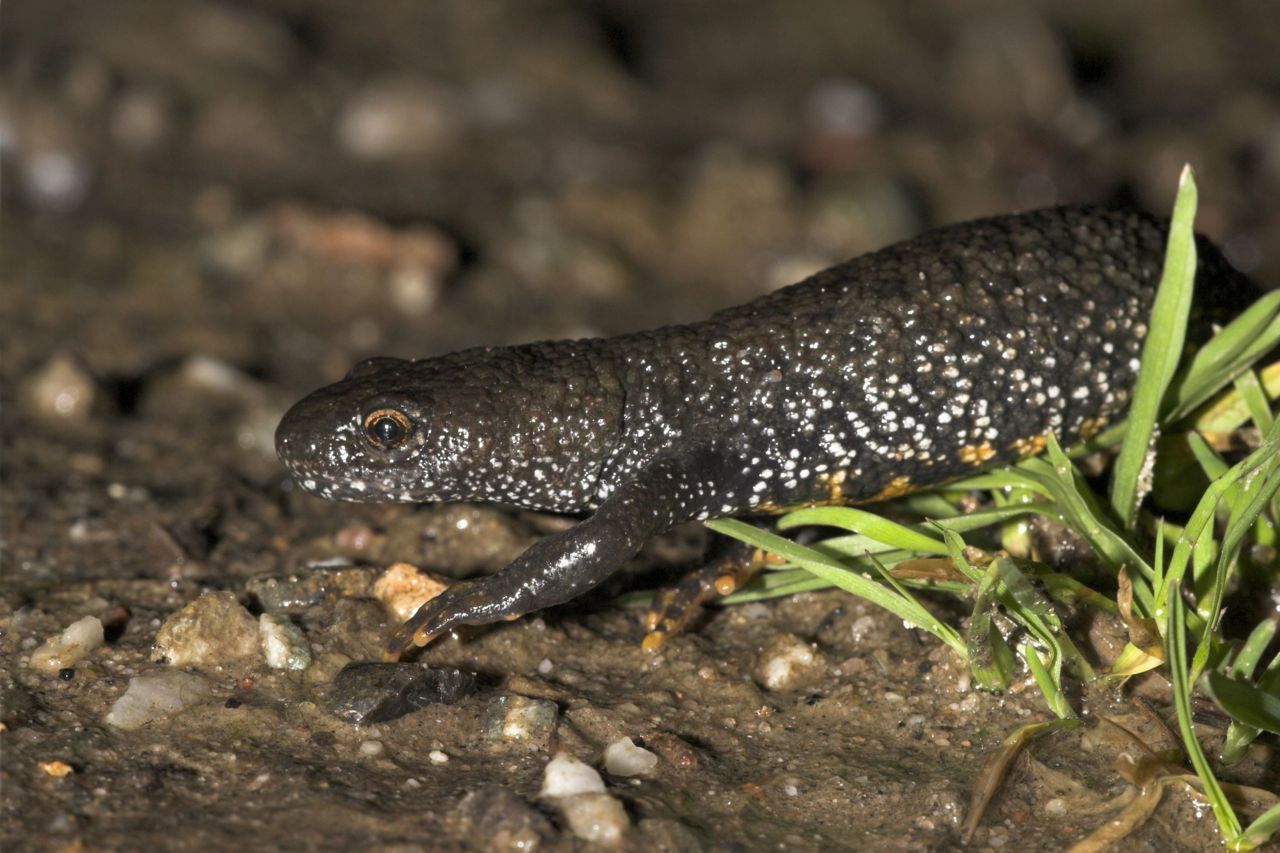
x=211, y=208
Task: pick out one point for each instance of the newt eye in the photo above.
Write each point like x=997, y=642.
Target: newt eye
x=386, y=428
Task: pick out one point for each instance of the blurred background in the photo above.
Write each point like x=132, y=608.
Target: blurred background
x=288, y=185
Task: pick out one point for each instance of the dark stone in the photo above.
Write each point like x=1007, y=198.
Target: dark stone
x=498, y=819
x=368, y=692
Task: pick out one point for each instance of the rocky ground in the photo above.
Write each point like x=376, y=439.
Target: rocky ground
x=211, y=208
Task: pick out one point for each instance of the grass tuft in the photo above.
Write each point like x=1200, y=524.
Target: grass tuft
x=1167, y=578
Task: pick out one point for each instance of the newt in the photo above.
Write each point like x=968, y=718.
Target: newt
x=904, y=368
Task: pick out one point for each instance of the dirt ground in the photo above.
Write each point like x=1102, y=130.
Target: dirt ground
x=211, y=208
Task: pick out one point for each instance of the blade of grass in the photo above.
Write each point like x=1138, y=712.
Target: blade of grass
x=1179, y=673
x=1255, y=399
x=865, y=523
x=1160, y=354
x=1244, y=702
x=990, y=658
x=1259, y=832
x=895, y=600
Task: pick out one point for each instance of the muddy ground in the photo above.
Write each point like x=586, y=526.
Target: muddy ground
x=211, y=208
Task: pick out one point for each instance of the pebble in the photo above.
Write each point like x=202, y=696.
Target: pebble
x=283, y=643
x=211, y=631
x=56, y=769
x=399, y=118
x=788, y=662
x=597, y=818
x=846, y=108
x=60, y=390
x=297, y=593
x=624, y=758
x=76, y=640
x=512, y=717
x=140, y=120
x=364, y=693
x=566, y=776
x=150, y=697
x=495, y=818
x=403, y=588
x=56, y=180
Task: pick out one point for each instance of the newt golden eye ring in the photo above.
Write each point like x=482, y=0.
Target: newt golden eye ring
x=386, y=428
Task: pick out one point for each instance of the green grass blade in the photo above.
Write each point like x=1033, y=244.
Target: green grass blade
x=1161, y=352
x=990, y=658
x=902, y=605
x=1255, y=399
x=1050, y=686
x=867, y=524
x=1260, y=831
x=1246, y=660
x=1087, y=517
x=1179, y=672
x=1245, y=702
x=1246, y=339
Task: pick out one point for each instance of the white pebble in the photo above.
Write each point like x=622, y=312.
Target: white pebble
x=370, y=748
x=77, y=640
x=787, y=662
x=283, y=643
x=598, y=817
x=56, y=180
x=565, y=776
x=438, y=757
x=60, y=390
x=624, y=758
x=544, y=666
x=150, y=697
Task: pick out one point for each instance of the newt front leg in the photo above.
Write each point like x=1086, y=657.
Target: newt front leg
x=564, y=565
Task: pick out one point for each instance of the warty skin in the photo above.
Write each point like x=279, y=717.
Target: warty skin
x=900, y=369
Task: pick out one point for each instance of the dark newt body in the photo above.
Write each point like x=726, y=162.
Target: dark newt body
x=896, y=370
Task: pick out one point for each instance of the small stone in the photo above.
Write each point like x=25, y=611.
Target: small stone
x=495, y=818
x=512, y=717
x=77, y=640
x=60, y=390
x=399, y=118
x=788, y=662
x=283, y=643
x=56, y=180
x=846, y=108
x=403, y=588
x=438, y=756
x=213, y=630
x=297, y=593
x=566, y=776
x=150, y=697
x=414, y=288
x=56, y=769
x=364, y=693
x=371, y=748
x=624, y=758
x=140, y=120
x=598, y=818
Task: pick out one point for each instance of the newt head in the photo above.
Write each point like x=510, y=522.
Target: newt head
x=380, y=434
